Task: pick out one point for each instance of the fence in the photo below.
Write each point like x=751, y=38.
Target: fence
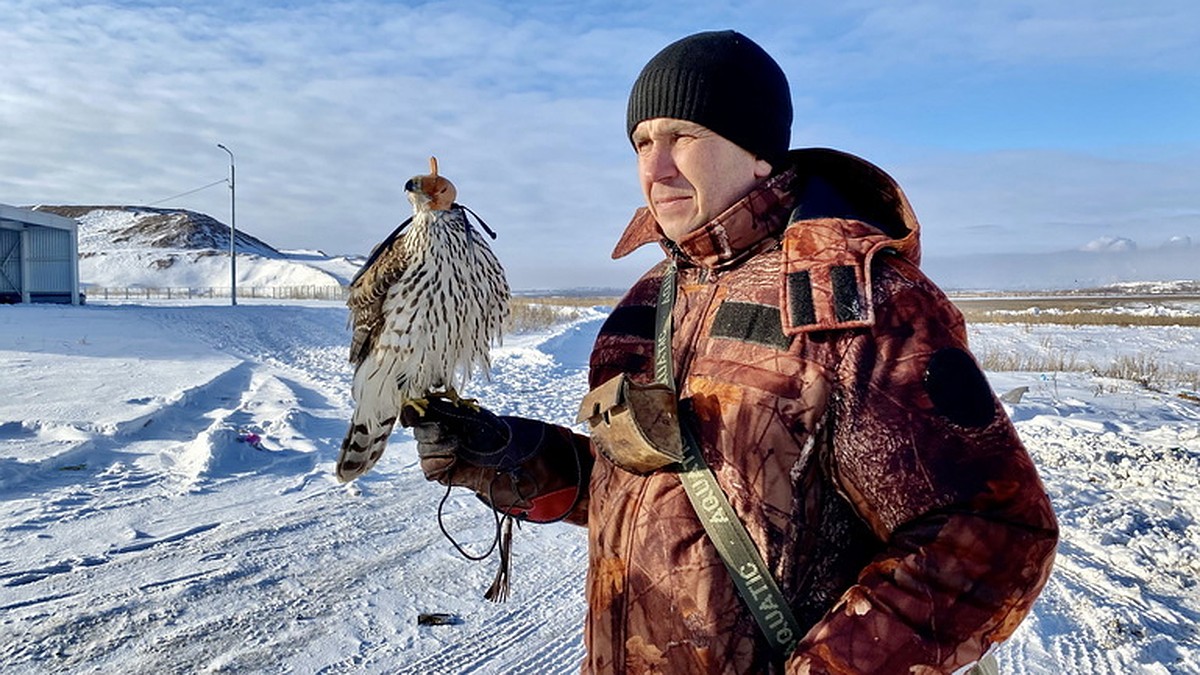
x=205, y=292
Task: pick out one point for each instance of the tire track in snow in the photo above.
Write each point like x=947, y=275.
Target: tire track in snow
x=499, y=641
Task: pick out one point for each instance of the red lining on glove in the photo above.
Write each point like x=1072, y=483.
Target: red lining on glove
x=549, y=507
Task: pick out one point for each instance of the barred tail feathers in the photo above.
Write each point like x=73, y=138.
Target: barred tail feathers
x=377, y=404
x=364, y=444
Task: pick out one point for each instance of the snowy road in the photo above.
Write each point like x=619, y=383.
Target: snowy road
x=138, y=534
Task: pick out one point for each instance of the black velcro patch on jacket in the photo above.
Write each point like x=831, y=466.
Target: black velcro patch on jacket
x=958, y=388
x=801, y=298
x=847, y=305
x=749, y=322
x=631, y=320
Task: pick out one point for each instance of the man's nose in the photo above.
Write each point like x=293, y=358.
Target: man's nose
x=658, y=162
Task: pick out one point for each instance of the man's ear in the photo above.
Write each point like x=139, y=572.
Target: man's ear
x=762, y=168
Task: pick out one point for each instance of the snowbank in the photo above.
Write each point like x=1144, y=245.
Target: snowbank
x=169, y=506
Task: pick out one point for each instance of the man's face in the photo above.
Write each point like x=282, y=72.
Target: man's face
x=690, y=174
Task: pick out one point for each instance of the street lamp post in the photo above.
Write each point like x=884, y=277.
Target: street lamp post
x=232, y=230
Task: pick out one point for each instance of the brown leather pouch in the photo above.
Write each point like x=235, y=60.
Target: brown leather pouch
x=636, y=426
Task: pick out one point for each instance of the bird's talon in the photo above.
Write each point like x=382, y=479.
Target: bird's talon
x=471, y=403
x=421, y=405
x=451, y=395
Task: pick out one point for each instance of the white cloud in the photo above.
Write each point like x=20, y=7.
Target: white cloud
x=329, y=107
x=1110, y=245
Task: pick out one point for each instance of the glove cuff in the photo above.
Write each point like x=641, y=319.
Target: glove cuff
x=550, y=507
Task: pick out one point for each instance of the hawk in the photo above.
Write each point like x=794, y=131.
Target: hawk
x=425, y=309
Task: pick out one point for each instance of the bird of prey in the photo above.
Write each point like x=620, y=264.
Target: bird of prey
x=425, y=309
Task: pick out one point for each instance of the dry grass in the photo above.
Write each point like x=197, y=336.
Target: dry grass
x=1145, y=370
x=1048, y=362
x=539, y=313
x=567, y=301
x=1074, y=311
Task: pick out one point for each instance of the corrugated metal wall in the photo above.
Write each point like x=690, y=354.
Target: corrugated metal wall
x=49, y=257
x=10, y=262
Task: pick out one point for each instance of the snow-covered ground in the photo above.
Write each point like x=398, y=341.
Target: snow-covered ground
x=144, y=532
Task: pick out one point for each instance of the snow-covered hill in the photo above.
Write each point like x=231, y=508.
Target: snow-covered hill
x=145, y=247
x=144, y=530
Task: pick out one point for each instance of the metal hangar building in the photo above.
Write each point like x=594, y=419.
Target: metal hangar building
x=39, y=257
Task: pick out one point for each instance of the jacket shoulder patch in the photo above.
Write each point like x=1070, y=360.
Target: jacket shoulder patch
x=800, y=299
x=958, y=388
x=826, y=297
x=631, y=320
x=848, y=301
x=826, y=271
x=750, y=322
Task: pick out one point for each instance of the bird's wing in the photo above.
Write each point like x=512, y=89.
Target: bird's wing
x=369, y=288
x=382, y=246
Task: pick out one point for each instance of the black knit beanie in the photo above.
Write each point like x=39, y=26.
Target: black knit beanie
x=721, y=80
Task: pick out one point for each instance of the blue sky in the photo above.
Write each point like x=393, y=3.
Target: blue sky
x=1013, y=126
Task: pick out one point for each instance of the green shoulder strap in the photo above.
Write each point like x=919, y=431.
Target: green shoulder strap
x=750, y=574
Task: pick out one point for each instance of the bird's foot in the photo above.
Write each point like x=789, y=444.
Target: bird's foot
x=451, y=395
x=418, y=405
x=413, y=409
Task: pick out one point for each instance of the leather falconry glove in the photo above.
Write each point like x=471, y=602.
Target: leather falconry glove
x=513, y=464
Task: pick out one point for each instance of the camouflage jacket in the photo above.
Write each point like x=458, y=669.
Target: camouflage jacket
x=854, y=434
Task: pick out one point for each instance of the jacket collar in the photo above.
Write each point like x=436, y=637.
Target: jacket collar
x=821, y=183
x=751, y=225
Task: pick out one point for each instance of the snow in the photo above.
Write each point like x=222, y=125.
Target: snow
x=197, y=269
x=122, y=247
x=142, y=533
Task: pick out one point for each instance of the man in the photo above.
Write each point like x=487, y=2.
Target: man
x=828, y=386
